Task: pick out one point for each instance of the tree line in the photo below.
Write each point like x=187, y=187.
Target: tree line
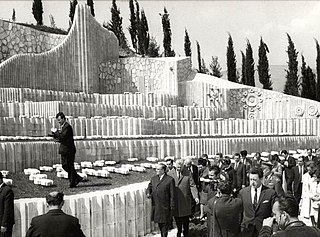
x=307, y=85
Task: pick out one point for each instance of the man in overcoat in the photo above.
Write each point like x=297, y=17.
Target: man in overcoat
x=6, y=209
x=185, y=190
x=161, y=192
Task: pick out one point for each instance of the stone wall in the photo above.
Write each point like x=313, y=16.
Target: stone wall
x=18, y=155
x=157, y=75
x=120, y=212
x=239, y=101
x=71, y=66
x=18, y=39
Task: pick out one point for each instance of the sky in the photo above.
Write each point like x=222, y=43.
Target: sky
x=209, y=23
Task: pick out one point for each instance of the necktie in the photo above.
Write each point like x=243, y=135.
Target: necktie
x=179, y=175
x=255, y=201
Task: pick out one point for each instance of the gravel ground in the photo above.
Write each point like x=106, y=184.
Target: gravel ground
x=24, y=188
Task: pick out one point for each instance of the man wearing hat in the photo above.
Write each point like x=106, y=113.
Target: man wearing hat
x=6, y=209
x=270, y=180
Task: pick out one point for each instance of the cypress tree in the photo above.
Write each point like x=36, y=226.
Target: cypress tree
x=249, y=65
x=73, y=4
x=133, y=25
x=318, y=70
x=292, y=84
x=263, y=66
x=304, y=78
x=199, y=57
x=243, y=68
x=312, y=83
x=215, y=68
x=168, y=52
x=143, y=35
x=231, y=62
x=204, y=68
x=308, y=83
x=37, y=11
x=153, y=50
x=13, y=15
x=115, y=25
x=52, y=21
x=90, y=4
x=187, y=44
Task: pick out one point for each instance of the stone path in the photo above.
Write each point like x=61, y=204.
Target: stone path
x=172, y=233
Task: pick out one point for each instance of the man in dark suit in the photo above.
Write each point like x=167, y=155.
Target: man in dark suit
x=239, y=173
x=247, y=166
x=286, y=211
x=194, y=171
x=288, y=163
x=55, y=223
x=161, y=191
x=257, y=161
x=230, y=172
x=185, y=190
x=257, y=203
x=6, y=209
x=224, y=212
x=67, y=149
x=309, y=156
x=298, y=171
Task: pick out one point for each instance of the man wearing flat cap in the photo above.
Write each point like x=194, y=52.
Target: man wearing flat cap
x=55, y=223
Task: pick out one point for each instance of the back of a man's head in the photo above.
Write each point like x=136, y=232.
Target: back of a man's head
x=54, y=198
x=224, y=187
x=289, y=205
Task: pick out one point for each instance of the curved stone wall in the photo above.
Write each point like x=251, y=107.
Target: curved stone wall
x=70, y=66
x=18, y=39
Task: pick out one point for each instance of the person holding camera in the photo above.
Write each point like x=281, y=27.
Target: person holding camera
x=286, y=210
x=224, y=212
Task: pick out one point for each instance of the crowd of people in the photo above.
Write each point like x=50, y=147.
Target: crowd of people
x=239, y=196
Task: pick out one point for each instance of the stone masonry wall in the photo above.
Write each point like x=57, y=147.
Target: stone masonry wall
x=17, y=39
x=71, y=66
x=157, y=75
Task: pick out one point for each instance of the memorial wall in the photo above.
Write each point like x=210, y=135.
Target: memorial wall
x=124, y=108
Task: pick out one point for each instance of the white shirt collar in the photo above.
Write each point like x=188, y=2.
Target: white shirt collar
x=161, y=176
x=253, y=193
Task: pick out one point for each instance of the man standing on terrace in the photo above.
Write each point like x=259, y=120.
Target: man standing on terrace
x=67, y=149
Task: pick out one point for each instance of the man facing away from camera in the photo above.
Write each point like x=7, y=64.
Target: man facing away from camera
x=67, y=149
x=286, y=210
x=55, y=223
